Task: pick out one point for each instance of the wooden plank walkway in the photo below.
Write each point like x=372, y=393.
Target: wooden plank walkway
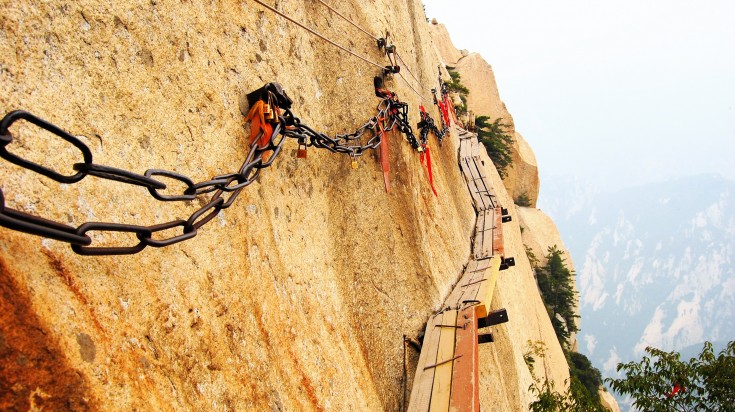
x=479, y=185
x=447, y=374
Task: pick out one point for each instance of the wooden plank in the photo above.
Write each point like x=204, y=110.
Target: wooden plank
x=474, y=193
x=472, y=186
x=469, y=283
x=480, y=185
x=477, y=244
x=455, y=296
x=442, y=388
x=476, y=149
x=466, y=376
x=487, y=287
x=464, y=147
x=482, y=182
x=497, y=240
x=423, y=380
x=483, y=246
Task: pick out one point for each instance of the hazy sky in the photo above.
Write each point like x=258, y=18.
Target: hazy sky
x=622, y=92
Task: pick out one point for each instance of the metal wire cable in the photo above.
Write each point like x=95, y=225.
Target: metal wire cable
x=422, y=97
x=348, y=20
x=318, y=34
x=407, y=69
x=376, y=39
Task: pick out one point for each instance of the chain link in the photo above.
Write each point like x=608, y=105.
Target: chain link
x=427, y=125
x=391, y=114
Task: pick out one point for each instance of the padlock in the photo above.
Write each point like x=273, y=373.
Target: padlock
x=354, y=163
x=268, y=112
x=301, y=151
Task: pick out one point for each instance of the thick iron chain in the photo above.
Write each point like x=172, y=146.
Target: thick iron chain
x=225, y=188
x=427, y=125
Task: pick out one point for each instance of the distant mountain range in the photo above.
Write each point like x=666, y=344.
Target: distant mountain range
x=655, y=264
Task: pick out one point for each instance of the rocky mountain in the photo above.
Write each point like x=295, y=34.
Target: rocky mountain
x=654, y=264
x=299, y=295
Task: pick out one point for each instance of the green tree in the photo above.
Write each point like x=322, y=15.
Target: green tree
x=576, y=398
x=586, y=375
x=558, y=294
x=497, y=141
x=455, y=85
x=661, y=381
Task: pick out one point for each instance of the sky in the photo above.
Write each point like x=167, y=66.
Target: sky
x=620, y=93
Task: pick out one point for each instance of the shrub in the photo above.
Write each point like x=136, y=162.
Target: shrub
x=523, y=200
x=455, y=85
x=497, y=141
x=558, y=294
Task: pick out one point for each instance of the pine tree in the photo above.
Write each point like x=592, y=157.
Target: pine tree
x=498, y=143
x=557, y=291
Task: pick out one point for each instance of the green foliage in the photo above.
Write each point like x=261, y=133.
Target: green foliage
x=523, y=200
x=455, y=85
x=555, y=283
x=532, y=259
x=535, y=350
x=557, y=292
x=576, y=398
x=497, y=141
x=581, y=370
x=707, y=383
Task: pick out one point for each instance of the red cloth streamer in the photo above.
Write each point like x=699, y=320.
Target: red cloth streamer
x=384, y=154
x=428, y=165
x=450, y=109
x=676, y=389
x=445, y=112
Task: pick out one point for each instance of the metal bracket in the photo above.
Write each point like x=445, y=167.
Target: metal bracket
x=495, y=317
x=485, y=338
x=507, y=262
x=282, y=99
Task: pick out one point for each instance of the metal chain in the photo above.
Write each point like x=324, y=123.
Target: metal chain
x=344, y=143
x=225, y=188
x=427, y=125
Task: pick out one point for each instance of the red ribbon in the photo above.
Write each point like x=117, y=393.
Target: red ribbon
x=428, y=165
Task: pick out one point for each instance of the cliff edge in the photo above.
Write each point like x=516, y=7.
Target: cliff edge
x=297, y=297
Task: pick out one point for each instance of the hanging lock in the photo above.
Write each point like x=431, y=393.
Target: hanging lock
x=354, y=163
x=301, y=151
x=268, y=112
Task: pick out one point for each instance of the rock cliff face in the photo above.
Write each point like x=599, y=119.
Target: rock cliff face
x=539, y=234
x=295, y=298
x=484, y=100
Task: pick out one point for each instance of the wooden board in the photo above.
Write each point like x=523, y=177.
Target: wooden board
x=466, y=375
x=483, y=244
x=487, y=287
x=468, y=284
x=441, y=390
x=476, y=149
x=480, y=184
x=498, y=247
x=477, y=199
x=442, y=381
x=423, y=380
